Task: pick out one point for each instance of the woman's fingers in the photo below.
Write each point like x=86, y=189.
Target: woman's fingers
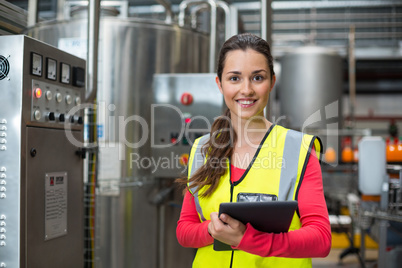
x=226, y=229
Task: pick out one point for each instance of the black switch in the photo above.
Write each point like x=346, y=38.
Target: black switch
x=80, y=121
x=51, y=116
x=62, y=118
x=72, y=119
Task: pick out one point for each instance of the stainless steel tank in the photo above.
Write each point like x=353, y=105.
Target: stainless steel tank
x=311, y=82
x=131, y=51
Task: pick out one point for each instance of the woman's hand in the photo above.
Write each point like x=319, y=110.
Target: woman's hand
x=226, y=229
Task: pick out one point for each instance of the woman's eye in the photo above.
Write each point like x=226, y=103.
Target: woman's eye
x=234, y=78
x=258, y=77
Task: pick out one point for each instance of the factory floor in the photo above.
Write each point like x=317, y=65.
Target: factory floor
x=349, y=261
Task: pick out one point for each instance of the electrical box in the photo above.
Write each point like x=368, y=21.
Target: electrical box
x=184, y=108
x=41, y=173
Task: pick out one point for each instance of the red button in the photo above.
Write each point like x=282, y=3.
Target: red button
x=38, y=93
x=186, y=99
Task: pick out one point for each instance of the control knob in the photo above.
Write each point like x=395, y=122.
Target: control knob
x=49, y=95
x=69, y=100
x=37, y=115
x=59, y=97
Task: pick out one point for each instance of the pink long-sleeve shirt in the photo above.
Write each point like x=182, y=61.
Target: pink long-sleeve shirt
x=313, y=239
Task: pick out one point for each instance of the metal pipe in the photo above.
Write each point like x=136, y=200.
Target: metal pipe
x=376, y=118
x=362, y=244
x=333, y=25
x=194, y=13
x=332, y=4
x=263, y=21
x=266, y=20
x=266, y=34
x=382, y=243
x=298, y=5
x=66, y=9
x=182, y=9
x=16, y=17
x=60, y=10
x=228, y=16
x=161, y=253
x=168, y=8
x=93, y=44
x=326, y=16
x=330, y=35
x=234, y=20
x=220, y=4
x=352, y=73
x=382, y=215
x=187, y=3
x=32, y=12
x=399, y=192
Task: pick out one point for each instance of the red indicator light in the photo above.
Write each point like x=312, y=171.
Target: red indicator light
x=187, y=120
x=183, y=159
x=38, y=93
x=186, y=98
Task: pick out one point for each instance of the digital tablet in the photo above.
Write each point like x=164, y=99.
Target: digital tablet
x=270, y=216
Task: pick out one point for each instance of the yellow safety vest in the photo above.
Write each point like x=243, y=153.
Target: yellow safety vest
x=277, y=169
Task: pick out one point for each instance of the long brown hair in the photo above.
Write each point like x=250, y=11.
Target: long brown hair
x=220, y=145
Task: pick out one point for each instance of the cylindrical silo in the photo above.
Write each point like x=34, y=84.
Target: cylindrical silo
x=311, y=87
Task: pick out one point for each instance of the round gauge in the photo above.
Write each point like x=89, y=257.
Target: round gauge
x=51, y=69
x=36, y=64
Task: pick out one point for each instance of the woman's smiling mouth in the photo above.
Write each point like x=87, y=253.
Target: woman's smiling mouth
x=245, y=103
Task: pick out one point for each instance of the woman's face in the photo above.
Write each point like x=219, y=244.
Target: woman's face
x=246, y=83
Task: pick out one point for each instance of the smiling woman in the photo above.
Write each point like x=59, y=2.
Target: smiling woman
x=246, y=83
x=246, y=144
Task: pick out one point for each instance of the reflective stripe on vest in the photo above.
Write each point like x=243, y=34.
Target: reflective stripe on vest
x=197, y=160
x=289, y=170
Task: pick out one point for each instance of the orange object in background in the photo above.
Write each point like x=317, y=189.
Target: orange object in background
x=330, y=155
x=399, y=150
x=347, y=152
x=347, y=155
x=393, y=150
x=373, y=198
x=390, y=149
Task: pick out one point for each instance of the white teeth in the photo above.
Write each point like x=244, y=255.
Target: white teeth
x=246, y=102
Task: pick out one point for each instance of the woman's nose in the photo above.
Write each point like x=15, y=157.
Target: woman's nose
x=247, y=88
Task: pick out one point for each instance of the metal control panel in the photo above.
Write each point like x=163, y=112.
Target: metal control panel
x=51, y=104
x=41, y=174
x=184, y=108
